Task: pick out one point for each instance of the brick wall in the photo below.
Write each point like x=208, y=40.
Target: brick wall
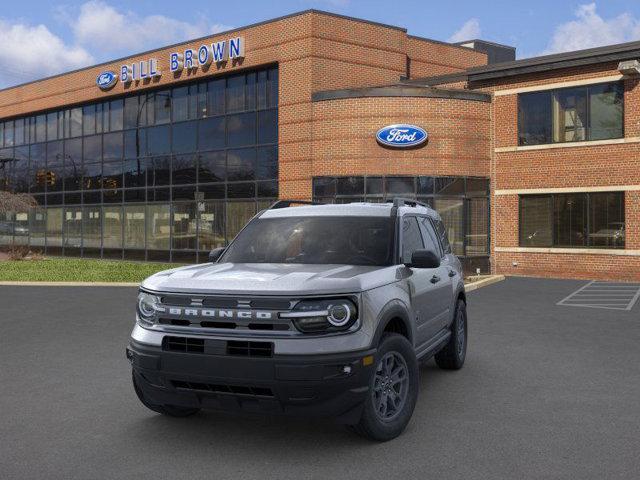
x=344, y=137
x=581, y=167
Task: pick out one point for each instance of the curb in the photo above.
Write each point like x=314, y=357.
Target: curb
x=484, y=282
x=70, y=284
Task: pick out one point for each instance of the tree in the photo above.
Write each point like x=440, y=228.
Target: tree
x=16, y=202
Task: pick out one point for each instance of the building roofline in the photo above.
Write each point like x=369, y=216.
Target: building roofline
x=400, y=90
x=556, y=61
x=436, y=79
x=495, y=44
x=225, y=32
x=440, y=42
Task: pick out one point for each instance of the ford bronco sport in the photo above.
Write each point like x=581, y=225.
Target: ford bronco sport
x=313, y=309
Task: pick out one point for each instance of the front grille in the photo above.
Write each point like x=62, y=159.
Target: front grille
x=228, y=389
x=183, y=344
x=250, y=349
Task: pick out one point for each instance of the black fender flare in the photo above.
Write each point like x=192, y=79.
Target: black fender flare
x=393, y=309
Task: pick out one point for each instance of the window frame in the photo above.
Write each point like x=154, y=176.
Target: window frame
x=588, y=196
x=552, y=93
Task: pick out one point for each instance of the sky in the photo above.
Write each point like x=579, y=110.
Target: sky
x=39, y=38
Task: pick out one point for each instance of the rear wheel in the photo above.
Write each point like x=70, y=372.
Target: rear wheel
x=170, y=410
x=452, y=356
x=393, y=390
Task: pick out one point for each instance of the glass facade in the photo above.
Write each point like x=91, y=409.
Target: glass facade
x=463, y=202
x=161, y=175
x=593, y=112
x=573, y=220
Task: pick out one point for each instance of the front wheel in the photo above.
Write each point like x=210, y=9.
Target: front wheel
x=169, y=410
x=393, y=390
x=452, y=356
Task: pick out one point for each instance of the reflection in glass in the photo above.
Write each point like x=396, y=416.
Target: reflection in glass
x=452, y=213
x=210, y=225
x=112, y=236
x=134, y=226
x=73, y=227
x=184, y=226
x=158, y=227
x=92, y=227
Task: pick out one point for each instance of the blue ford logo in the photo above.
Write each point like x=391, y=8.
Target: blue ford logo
x=106, y=80
x=401, y=136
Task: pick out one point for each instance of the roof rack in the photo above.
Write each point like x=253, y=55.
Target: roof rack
x=288, y=203
x=401, y=202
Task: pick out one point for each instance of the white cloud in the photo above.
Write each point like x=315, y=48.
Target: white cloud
x=28, y=52
x=591, y=30
x=104, y=29
x=469, y=31
x=97, y=32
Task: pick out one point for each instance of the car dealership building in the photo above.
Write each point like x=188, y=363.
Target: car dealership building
x=533, y=164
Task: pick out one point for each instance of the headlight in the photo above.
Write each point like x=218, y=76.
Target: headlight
x=319, y=316
x=148, y=305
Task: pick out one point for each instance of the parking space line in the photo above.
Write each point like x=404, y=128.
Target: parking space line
x=612, y=296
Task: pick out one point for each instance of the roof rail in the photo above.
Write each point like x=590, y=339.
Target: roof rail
x=401, y=202
x=288, y=203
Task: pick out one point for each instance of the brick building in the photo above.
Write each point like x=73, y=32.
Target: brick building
x=166, y=154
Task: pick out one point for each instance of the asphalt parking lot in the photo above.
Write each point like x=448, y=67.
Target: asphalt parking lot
x=548, y=391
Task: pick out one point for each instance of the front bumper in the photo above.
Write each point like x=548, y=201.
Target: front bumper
x=333, y=385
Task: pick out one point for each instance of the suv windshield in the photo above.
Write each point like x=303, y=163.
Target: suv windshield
x=317, y=240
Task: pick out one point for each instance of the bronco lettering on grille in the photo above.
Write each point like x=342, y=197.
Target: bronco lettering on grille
x=220, y=313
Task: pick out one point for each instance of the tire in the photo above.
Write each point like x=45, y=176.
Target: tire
x=382, y=422
x=452, y=356
x=169, y=410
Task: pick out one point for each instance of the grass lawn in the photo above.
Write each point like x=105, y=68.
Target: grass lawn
x=78, y=270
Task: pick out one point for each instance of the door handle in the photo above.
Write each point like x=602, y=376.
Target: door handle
x=435, y=279
x=452, y=273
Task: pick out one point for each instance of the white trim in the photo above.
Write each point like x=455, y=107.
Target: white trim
x=551, y=86
x=536, y=191
x=588, y=143
x=570, y=251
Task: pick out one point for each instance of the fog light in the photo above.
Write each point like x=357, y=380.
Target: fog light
x=346, y=369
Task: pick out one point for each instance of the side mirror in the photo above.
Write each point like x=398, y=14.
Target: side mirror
x=424, y=259
x=215, y=254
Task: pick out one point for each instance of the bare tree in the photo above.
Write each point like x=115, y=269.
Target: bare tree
x=16, y=202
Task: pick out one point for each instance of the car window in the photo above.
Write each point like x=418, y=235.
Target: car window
x=442, y=235
x=429, y=236
x=411, y=238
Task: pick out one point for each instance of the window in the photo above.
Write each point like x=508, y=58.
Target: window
x=452, y=213
x=593, y=112
x=429, y=236
x=411, y=238
x=441, y=231
x=114, y=177
x=574, y=220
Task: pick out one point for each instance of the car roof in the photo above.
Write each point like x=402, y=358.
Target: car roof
x=355, y=209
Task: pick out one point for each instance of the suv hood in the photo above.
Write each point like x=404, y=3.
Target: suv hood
x=270, y=279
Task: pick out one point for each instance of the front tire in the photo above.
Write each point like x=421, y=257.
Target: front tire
x=169, y=410
x=393, y=390
x=452, y=356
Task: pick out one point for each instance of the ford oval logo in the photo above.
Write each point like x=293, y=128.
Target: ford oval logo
x=401, y=136
x=106, y=80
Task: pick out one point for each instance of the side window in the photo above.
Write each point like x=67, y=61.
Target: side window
x=442, y=235
x=429, y=236
x=411, y=238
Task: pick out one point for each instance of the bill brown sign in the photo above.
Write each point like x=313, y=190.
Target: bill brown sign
x=189, y=59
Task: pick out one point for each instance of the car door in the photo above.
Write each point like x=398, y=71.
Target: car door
x=443, y=287
x=422, y=288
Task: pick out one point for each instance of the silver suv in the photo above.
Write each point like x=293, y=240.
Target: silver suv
x=314, y=309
